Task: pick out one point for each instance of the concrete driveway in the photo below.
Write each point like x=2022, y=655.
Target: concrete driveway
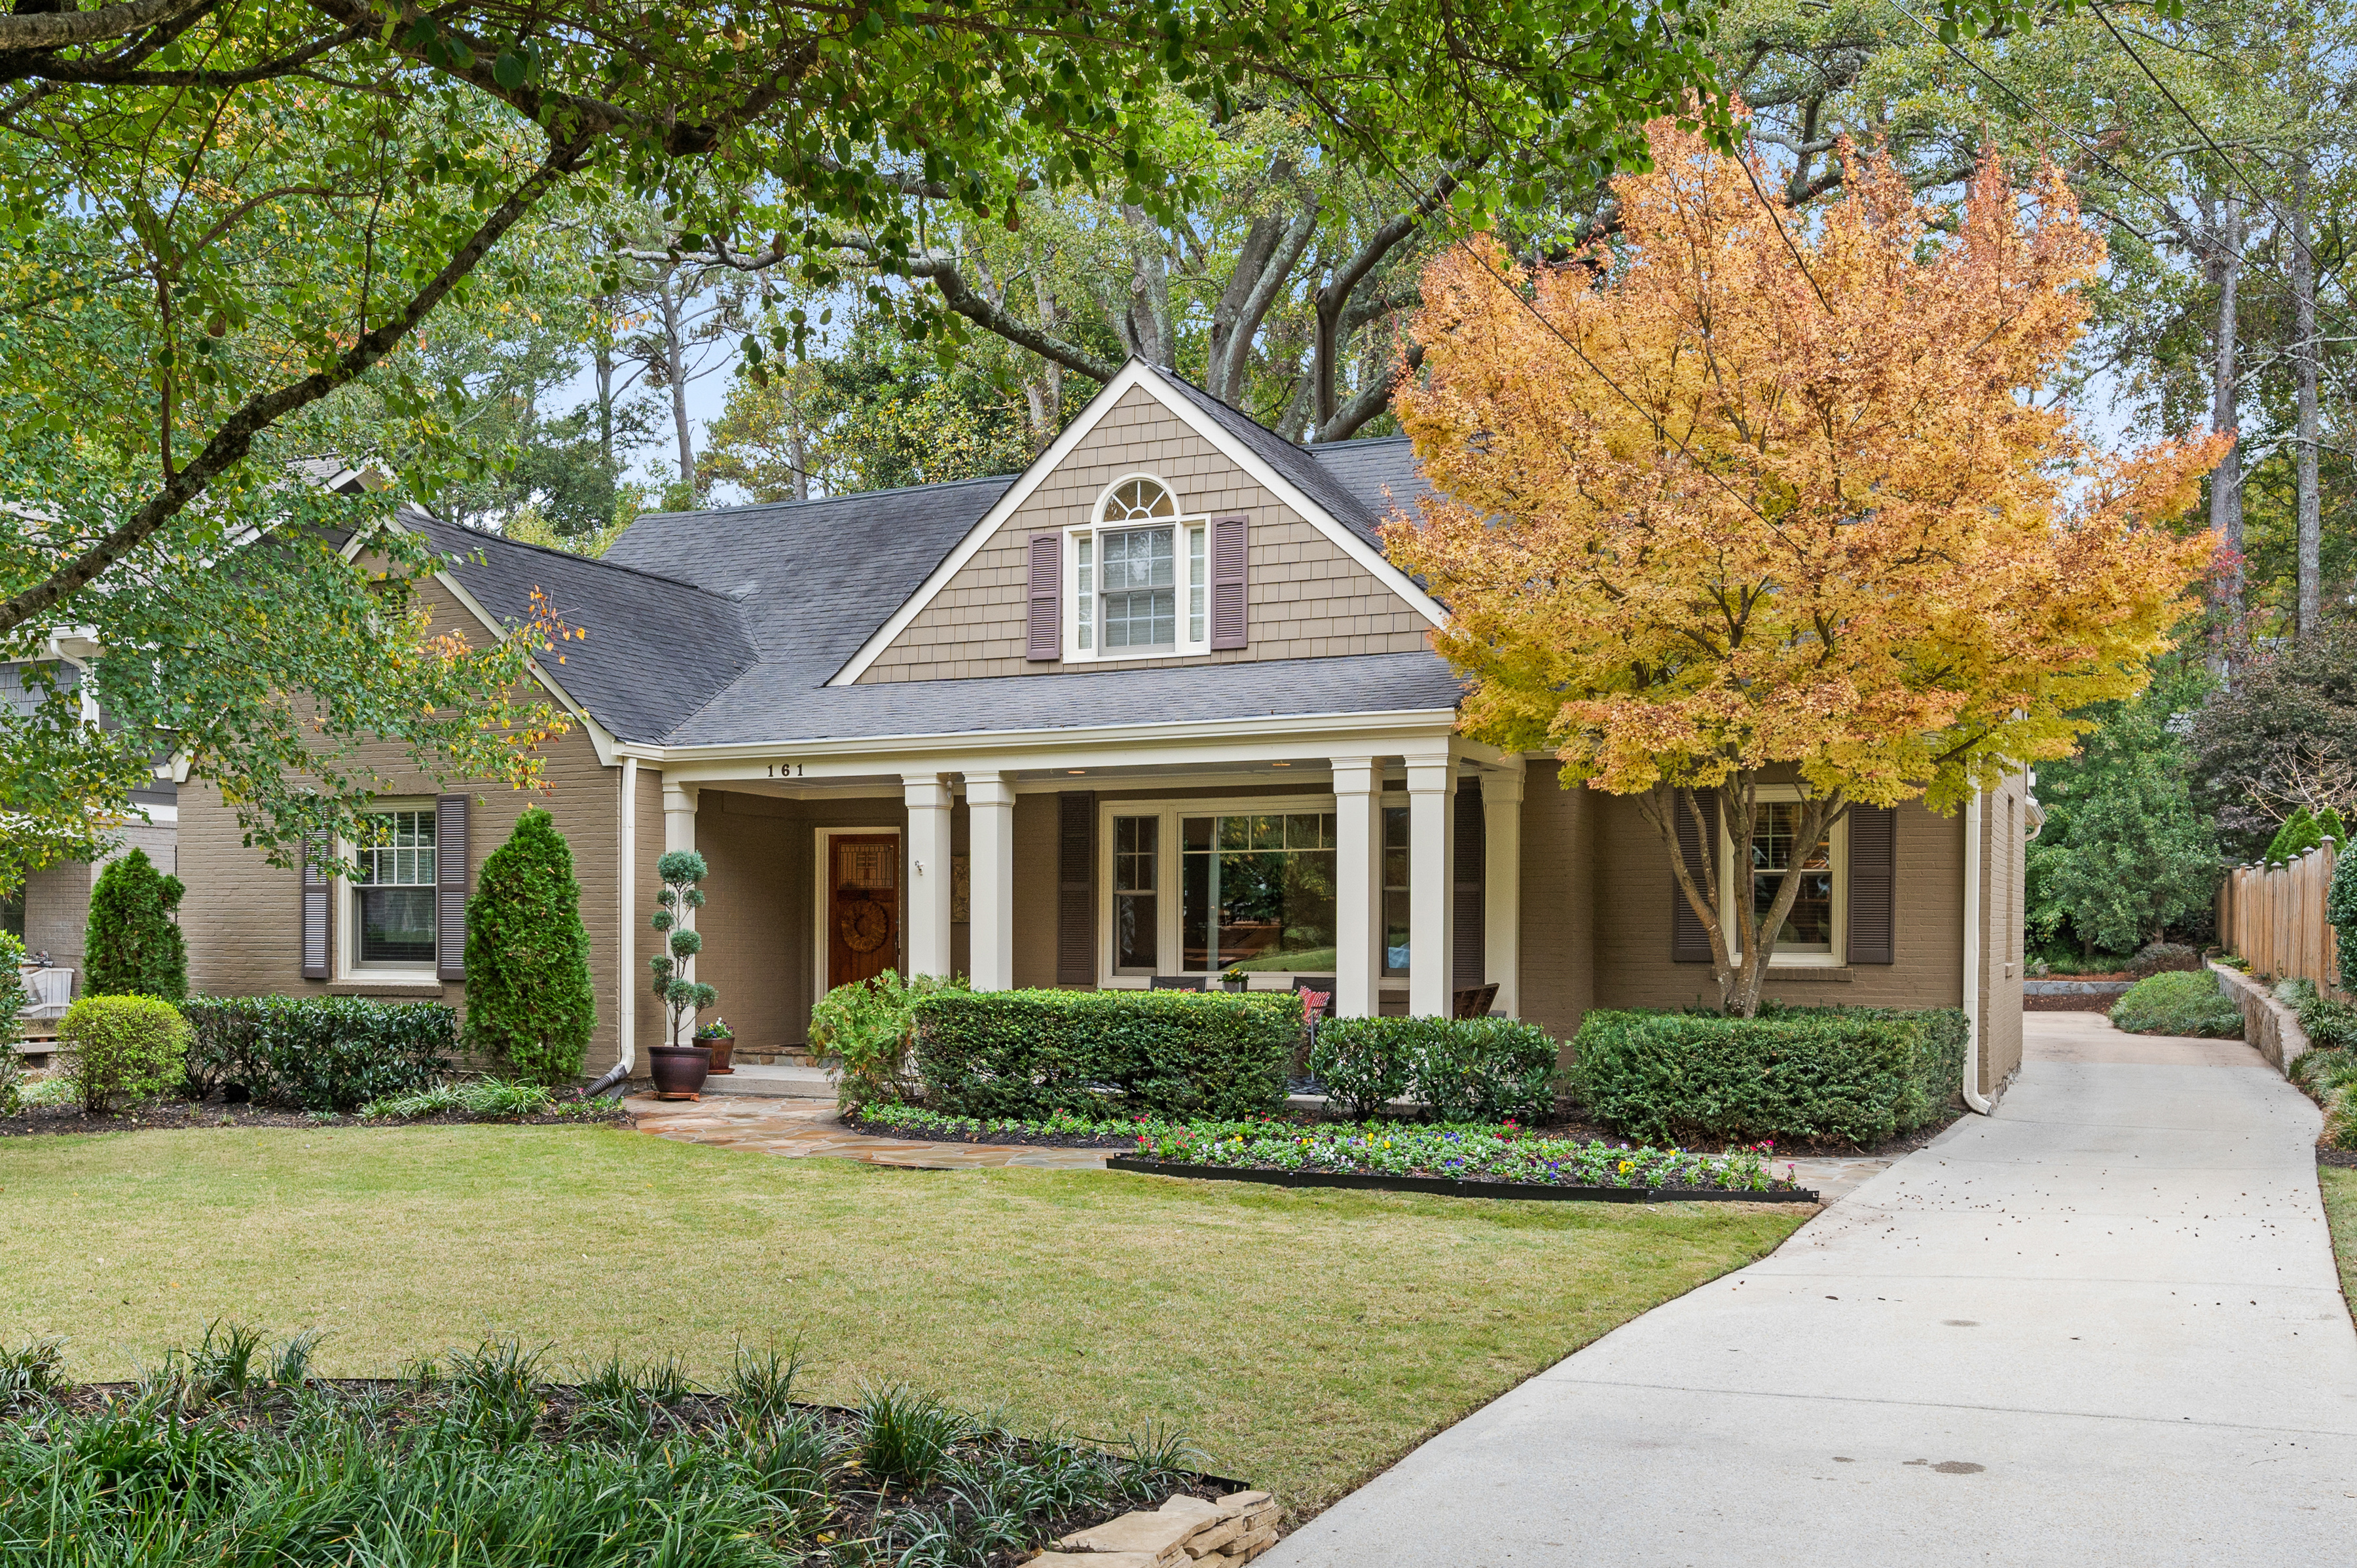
x=2102, y=1326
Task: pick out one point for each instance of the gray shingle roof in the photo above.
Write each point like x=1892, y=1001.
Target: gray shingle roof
x=768, y=704
x=722, y=627
x=657, y=648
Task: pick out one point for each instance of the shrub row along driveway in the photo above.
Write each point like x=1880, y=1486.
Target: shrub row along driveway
x=1303, y=1339
x=2102, y=1327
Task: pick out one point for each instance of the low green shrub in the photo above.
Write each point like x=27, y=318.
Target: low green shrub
x=13, y=999
x=319, y=1053
x=2178, y=1002
x=866, y=1026
x=120, y=1050
x=2156, y=958
x=480, y=1097
x=1857, y=1074
x=2330, y=1024
x=1174, y=1053
x=1461, y=1069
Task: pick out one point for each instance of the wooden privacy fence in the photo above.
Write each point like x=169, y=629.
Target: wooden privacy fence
x=2273, y=917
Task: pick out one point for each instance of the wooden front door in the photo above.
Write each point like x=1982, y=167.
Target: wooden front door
x=862, y=906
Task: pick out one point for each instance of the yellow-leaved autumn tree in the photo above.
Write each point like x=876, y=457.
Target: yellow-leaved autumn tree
x=1759, y=495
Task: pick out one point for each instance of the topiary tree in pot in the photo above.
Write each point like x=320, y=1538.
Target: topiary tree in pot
x=679, y=1064
x=133, y=946
x=529, y=1001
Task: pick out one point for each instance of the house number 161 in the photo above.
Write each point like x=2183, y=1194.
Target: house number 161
x=785, y=770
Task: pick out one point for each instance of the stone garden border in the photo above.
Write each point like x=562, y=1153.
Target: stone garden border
x=2271, y=1028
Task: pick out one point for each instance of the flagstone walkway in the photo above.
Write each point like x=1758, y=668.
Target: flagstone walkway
x=801, y=1128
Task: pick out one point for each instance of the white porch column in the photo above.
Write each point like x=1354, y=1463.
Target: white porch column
x=679, y=833
x=1358, y=887
x=929, y=873
x=1502, y=883
x=990, y=886
x=1431, y=884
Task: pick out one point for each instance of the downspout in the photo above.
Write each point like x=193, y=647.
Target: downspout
x=625, y=1057
x=1972, y=1084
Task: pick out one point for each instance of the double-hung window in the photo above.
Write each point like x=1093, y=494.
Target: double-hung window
x=392, y=896
x=1812, y=928
x=1221, y=888
x=1137, y=576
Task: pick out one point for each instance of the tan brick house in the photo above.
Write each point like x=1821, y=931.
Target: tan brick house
x=1155, y=708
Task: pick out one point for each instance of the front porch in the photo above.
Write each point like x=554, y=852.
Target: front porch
x=1250, y=862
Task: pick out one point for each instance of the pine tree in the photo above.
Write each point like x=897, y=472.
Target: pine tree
x=528, y=995
x=133, y=945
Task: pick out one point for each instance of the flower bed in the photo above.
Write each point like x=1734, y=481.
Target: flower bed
x=1499, y=1153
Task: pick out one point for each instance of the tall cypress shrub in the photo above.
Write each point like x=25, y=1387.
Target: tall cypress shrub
x=133, y=946
x=528, y=996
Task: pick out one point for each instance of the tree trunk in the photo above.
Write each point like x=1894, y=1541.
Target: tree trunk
x=2226, y=480
x=797, y=453
x=606, y=400
x=2307, y=621
x=667, y=293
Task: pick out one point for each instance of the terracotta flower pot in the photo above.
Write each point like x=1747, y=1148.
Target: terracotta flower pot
x=723, y=1046
x=679, y=1070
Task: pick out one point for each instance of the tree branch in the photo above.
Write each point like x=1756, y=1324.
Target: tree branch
x=234, y=438
x=57, y=29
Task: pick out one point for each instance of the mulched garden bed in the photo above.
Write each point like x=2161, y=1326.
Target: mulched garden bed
x=1370, y=1182
x=1574, y=1131
x=2344, y=1158
x=172, y=1115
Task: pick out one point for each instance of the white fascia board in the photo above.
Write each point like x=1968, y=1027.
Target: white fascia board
x=1132, y=374
x=600, y=738
x=1136, y=374
x=1274, y=738
x=1349, y=543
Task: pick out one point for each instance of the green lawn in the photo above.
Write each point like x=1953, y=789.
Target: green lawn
x=2339, y=1185
x=1303, y=1339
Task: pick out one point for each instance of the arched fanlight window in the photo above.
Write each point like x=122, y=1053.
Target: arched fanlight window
x=1140, y=500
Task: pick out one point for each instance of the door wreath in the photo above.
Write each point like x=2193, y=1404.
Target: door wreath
x=864, y=926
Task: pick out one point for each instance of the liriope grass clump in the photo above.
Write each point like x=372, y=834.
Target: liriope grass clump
x=231, y=1452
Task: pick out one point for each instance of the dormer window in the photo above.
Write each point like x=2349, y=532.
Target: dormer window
x=1137, y=576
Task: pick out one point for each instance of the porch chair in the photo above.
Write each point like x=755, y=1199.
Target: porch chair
x=1322, y=985
x=1475, y=1001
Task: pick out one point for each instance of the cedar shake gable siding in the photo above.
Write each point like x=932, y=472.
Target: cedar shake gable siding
x=1306, y=599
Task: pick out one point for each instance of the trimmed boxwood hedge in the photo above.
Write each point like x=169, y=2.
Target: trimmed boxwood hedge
x=318, y=1053
x=1461, y=1069
x=1859, y=1074
x=1159, y=1053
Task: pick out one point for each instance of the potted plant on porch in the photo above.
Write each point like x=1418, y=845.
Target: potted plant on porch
x=680, y=1064
x=721, y=1041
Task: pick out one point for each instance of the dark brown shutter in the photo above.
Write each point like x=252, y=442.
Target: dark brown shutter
x=1076, y=887
x=450, y=887
x=1231, y=544
x=1873, y=882
x=319, y=890
x=1689, y=938
x=1470, y=958
x=1046, y=639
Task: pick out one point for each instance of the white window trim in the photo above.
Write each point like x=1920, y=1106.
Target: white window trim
x=1733, y=868
x=346, y=893
x=1168, y=942
x=1094, y=531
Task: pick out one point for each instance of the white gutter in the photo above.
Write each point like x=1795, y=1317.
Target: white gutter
x=627, y=881
x=1972, y=1084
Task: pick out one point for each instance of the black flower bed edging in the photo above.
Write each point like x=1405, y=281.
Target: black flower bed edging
x=1448, y=1188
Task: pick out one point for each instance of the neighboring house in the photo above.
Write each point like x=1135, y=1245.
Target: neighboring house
x=53, y=908
x=1156, y=706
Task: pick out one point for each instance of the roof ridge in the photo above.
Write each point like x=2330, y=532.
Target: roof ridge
x=829, y=500
x=585, y=560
